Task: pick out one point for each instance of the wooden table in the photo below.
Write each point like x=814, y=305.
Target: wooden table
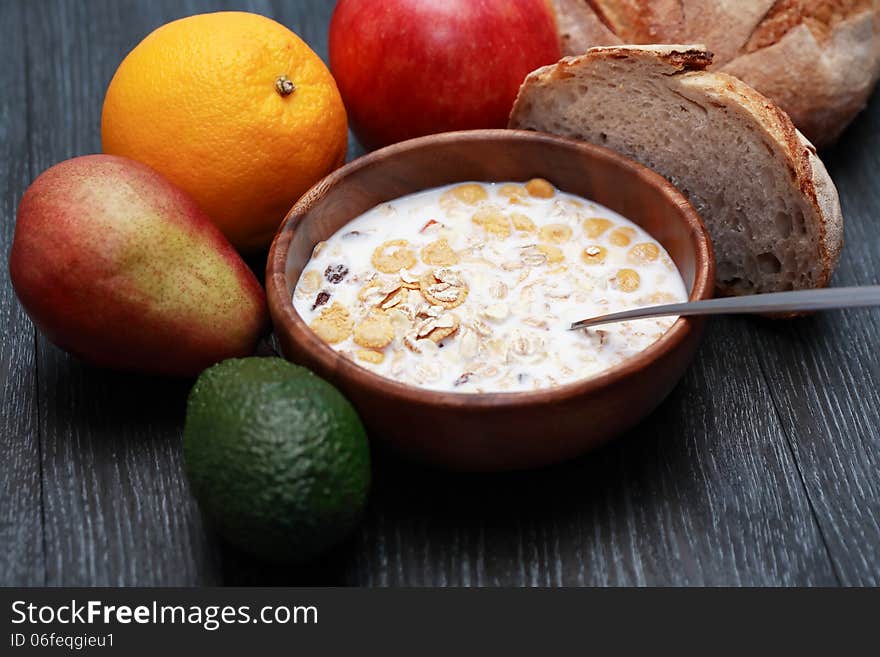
x=762, y=468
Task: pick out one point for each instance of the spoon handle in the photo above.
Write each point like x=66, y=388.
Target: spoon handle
x=776, y=302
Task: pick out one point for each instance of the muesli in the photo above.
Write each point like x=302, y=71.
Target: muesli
x=471, y=287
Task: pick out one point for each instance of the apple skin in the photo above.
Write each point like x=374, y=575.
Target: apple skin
x=120, y=268
x=408, y=68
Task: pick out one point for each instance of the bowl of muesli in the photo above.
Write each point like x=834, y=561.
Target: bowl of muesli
x=434, y=281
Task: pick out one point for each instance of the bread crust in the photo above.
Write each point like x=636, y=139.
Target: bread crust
x=637, y=21
x=828, y=202
x=817, y=59
x=808, y=176
x=822, y=84
x=726, y=25
x=819, y=16
x=580, y=28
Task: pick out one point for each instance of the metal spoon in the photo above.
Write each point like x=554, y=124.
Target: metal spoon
x=777, y=302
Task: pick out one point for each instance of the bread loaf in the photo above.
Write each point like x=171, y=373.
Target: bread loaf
x=817, y=59
x=766, y=198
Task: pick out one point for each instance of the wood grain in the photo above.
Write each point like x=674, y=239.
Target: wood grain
x=763, y=467
x=117, y=509
x=22, y=559
x=824, y=375
x=703, y=492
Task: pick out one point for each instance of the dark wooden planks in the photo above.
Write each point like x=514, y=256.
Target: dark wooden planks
x=668, y=505
x=117, y=509
x=760, y=469
x=21, y=536
x=705, y=492
x=824, y=374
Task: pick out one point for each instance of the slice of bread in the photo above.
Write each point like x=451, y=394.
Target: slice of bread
x=766, y=198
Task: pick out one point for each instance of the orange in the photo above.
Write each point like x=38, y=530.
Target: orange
x=235, y=109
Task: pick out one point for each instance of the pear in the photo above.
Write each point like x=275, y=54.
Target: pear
x=119, y=267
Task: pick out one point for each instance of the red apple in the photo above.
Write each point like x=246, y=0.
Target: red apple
x=121, y=268
x=408, y=68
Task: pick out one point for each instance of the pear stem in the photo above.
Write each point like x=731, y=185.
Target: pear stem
x=284, y=86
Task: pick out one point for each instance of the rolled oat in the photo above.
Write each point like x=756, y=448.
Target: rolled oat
x=470, y=288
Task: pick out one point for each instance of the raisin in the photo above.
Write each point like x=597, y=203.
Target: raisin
x=321, y=299
x=336, y=273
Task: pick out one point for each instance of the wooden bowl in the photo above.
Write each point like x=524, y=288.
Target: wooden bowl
x=499, y=431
